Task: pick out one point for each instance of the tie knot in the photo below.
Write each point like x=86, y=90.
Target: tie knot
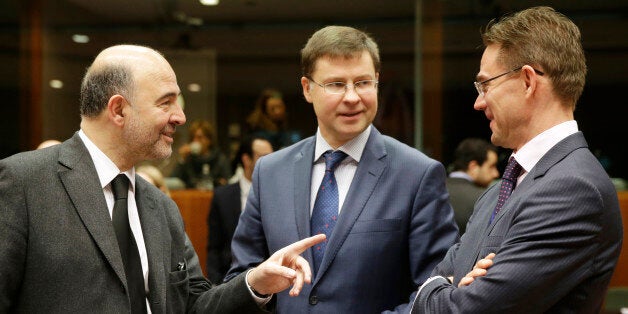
x=333, y=159
x=513, y=169
x=120, y=187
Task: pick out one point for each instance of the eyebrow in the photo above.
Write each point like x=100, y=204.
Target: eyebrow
x=168, y=95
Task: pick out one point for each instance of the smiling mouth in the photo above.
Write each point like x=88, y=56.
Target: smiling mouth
x=350, y=114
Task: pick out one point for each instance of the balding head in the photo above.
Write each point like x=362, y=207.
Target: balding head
x=115, y=72
x=129, y=106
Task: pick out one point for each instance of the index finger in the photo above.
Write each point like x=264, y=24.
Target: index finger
x=302, y=245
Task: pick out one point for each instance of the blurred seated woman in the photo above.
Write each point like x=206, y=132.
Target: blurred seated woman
x=202, y=165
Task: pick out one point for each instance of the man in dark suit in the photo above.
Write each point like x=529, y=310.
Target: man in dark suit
x=61, y=251
x=473, y=169
x=227, y=204
x=384, y=204
x=557, y=237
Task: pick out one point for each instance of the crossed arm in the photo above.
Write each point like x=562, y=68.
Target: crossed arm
x=479, y=270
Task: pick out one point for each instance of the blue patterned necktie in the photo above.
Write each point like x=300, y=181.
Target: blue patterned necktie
x=509, y=181
x=325, y=211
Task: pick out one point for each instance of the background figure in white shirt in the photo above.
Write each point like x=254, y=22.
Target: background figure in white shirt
x=473, y=169
x=227, y=204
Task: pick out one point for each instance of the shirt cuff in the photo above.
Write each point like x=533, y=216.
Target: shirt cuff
x=416, y=298
x=259, y=299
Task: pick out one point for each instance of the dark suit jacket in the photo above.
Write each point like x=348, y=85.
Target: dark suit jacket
x=59, y=253
x=222, y=221
x=557, y=240
x=394, y=226
x=462, y=196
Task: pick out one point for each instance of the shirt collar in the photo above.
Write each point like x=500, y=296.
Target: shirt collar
x=105, y=168
x=353, y=148
x=532, y=151
x=461, y=175
x=245, y=185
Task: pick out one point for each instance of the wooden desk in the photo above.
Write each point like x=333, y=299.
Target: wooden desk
x=194, y=206
x=620, y=277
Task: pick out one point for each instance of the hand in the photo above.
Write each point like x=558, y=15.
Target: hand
x=479, y=270
x=285, y=268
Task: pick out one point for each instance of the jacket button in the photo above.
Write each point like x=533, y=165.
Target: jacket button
x=313, y=300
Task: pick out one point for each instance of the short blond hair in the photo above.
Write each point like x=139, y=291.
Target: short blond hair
x=544, y=39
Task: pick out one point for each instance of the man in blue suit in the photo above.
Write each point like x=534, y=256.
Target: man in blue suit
x=557, y=235
x=392, y=218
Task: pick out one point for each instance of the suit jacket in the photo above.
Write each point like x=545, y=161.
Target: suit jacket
x=222, y=221
x=59, y=250
x=557, y=240
x=462, y=195
x=394, y=226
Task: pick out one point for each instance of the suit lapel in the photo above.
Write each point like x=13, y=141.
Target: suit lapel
x=152, y=229
x=553, y=156
x=370, y=168
x=80, y=179
x=303, y=162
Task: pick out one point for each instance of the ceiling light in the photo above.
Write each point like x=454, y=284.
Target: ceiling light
x=209, y=2
x=195, y=88
x=56, y=84
x=80, y=39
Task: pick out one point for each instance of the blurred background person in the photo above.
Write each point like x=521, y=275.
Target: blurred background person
x=48, y=143
x=473, y=169
x=227, y=204
x=202, y=164
x=269, y=119
x=154, y=176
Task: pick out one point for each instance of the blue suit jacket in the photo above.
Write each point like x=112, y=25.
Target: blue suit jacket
x=394, y=226
x=557, y=241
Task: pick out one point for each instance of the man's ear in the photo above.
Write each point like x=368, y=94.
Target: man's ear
x=472, y=168
x=530, y=79
x=305, y=84
x=115, y=108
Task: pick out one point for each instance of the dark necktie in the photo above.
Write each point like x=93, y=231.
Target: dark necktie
x=325, y=211
x=509, y=181
x=127, y=244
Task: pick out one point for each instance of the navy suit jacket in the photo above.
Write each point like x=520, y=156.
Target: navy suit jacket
x=557, y=240
x=394, y=226
x=58, y=249
x=222, y=220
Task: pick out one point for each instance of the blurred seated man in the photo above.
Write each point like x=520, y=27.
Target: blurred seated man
x=48, y=143
x=227, y=204
x=474, y=168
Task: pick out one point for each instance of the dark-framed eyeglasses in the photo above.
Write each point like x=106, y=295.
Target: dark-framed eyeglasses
x=336, y=88
x=482, y=88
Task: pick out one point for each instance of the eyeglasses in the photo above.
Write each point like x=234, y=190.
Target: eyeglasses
x=360, y=87
x=482, y=88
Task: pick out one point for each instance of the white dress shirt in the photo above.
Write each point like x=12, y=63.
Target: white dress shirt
x=107, y=171
x=245, y=187
x=344, y=172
